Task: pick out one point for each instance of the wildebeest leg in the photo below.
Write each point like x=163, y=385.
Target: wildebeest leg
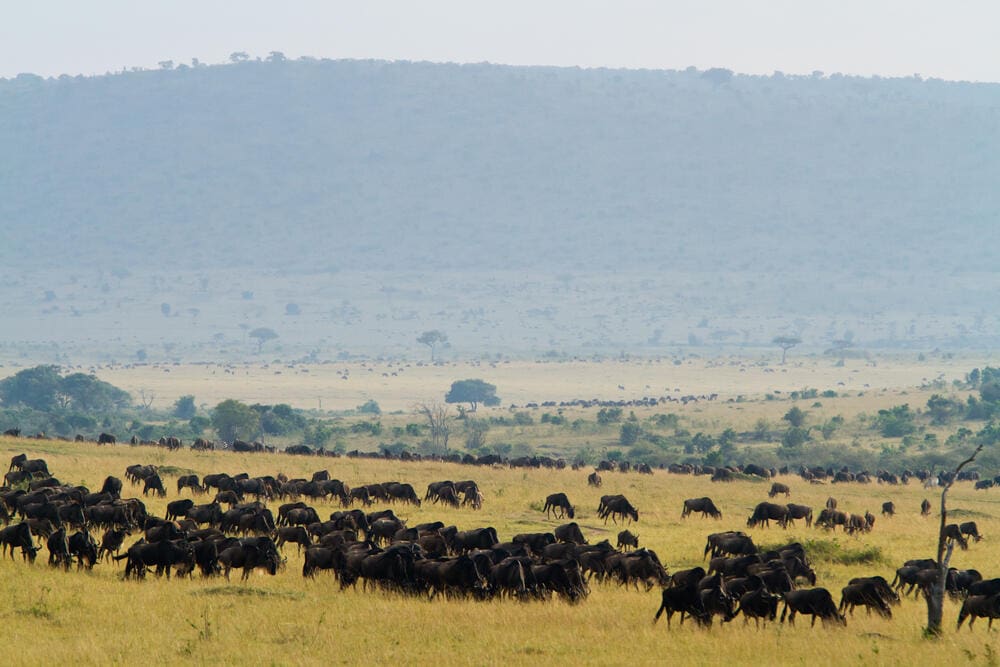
x=813, y=622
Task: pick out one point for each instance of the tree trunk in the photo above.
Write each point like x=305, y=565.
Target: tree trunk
x=935, y=596
x=784, y=351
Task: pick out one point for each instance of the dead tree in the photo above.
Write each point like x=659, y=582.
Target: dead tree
x=935, y=595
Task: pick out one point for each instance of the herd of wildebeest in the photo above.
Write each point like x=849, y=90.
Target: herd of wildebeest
x=236, y=529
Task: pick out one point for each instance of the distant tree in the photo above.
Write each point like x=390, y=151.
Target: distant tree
x=439, y=423
x=263, y=335
x=475, y=433
x=433, y=339
x=36, y=388
x=239, y=56
x=43, y=388
x=370, y=407
x=895, y=422
x=184, y=407
x=942, y=409
x=629, y=434
x=276, y=57
x=166, y=64
x=796, y=416
x=232, y=419
x=472, y=392
x=785, y=343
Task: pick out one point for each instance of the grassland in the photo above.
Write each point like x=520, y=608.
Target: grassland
x=96, y=617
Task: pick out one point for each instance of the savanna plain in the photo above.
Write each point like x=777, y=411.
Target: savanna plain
x=90, y=617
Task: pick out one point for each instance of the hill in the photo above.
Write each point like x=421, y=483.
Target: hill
x=785, y=196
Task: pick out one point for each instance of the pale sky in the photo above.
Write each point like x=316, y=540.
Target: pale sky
x=959, y=39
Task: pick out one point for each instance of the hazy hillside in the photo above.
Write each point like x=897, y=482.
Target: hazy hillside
x=790, y=196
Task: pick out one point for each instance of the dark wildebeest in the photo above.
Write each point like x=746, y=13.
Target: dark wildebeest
x=765, y=512
x=979, y=606
x=953, y=533
x=778, y=487
x=731, y=543
x=164, y=555
x=969, y=528
x=58, y=549
x=882, y=587
x=448, y=496
x=558, y=504
x=113, y=486
x=925, y=507
x=570, y=533
x=616, y=506
x=626, y=540
x=757, y=604
x=594, y=479
x=106, y=439
x=111, y=542
x=177, y=509
x=888, y=508
x=250, y=556
x=866, y=594
x=190, y=482
x=18, y=535
x=816, y=602
x=296, y=534
x=831, y=503
x=154, y=483
x=684, y=599
x=13, y=433
x=703, y=505
x=83, y=547
x=800, y=512
x=402, y=492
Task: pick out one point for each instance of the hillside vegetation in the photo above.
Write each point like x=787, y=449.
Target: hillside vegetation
x=519, y=209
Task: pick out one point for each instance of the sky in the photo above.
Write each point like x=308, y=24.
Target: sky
x=950, y=40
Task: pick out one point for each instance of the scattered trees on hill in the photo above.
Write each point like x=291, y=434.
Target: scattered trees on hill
x=786, y=343
x=44, y=388
x=232, y=419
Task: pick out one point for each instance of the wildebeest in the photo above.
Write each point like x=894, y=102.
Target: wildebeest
x=296, y=534
x=179, y=508
x=570, y=533
x=865, y=594
x=953, y=533
x=979, y=606
x=685, y=599
x=799, y=512
x=111, y=542
x=558, y=504
x=888, y=508
x=969, y=528
x=18, y=535
x=757, y=604
x=189, y=482
x=83, y=547
x=703, y=505
x=106, y=439
x=616, y=506
x=816, y=602
x=729, y=543
x=58, y=549
x=153, y=483
x=250, y=556
x=626, y=540
x=778, y=487
x=925, y=507
x=765, y=512
x=594, y=479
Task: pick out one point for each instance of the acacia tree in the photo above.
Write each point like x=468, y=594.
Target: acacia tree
x=935, y=596
x=786, y=343
x=263, y=334
x=472, y=392
x=432, y=339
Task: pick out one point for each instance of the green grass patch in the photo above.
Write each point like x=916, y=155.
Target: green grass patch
x=175, y=470
x=833, y=551
x=967, y=514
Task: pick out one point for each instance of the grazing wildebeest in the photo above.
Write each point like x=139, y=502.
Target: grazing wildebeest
x=626, y=540
x=867, y=595
x=953, y=533
x=112, y=486
x=816, y=602
x=402, y=492
x=18, y=535
x=925, y=507
x=757, y=604
x=594, y=479
x=558, y=504
x=831, y=503
x=731, y=543
x=447, y=495
x=250, y=556
x=296, y=534
x=765, y=512
x=969, y=528
x=799, y=512
x=153, y=483
x=684, y=599
x=703, y=505
x=106, y=439
x=830, y=519
x=83, y=547
x=58, y=549
x=778, y=487
x=979, y=606
x=616, y=506
x=111, y=542
x=569, y=533
x=13, y=433
x=189, y=482
x=888, y=508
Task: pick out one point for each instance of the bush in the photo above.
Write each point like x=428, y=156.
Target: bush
x=630, y=433
x=523, y=418
x=370, y=407
x=895, y=422
x=609, y=415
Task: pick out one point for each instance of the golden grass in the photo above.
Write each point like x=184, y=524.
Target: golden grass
x=95, y=617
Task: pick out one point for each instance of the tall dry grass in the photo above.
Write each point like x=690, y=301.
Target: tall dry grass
x=95, y=617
